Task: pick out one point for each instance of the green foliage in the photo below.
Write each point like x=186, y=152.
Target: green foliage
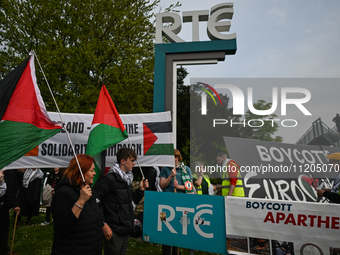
x=264, y=126
x=183, y=115
x=81, y=45
x=207, y=141
x=29, y=240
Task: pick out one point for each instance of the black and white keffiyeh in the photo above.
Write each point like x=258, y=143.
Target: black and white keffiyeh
x=31, y=175
x=157, y=179
x=127, y=177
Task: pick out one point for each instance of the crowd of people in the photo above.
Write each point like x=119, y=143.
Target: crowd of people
x=88, y=218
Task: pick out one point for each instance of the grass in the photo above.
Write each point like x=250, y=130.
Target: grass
x=38, y=239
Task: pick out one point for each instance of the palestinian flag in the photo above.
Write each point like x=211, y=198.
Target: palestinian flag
x=156, y=138
x=24, y=121
x=107, y=129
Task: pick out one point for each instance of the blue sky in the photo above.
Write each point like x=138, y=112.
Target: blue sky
x=278, y=39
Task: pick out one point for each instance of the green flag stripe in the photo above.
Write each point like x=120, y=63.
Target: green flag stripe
x=160, y=149
x=102, y=137
x=18, y=138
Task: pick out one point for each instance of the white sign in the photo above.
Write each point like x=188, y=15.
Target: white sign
x=258, y=226
x=149, y=133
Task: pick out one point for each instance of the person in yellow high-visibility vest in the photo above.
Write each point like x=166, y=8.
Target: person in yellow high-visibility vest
x=202, y=181
x=232, y=184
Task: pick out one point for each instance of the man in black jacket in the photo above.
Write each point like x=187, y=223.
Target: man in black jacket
x=7, y=201
x=116, y=193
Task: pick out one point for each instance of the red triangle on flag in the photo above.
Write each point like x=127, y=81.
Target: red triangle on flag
x=105, y=110
x=148, y=137
x=26, y=104
x=311, y=181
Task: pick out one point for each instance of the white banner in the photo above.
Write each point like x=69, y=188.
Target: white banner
x=259, y=226
x=57, y=152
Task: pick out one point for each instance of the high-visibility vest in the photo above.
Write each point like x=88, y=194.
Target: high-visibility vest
x=238, y=190
x=199, y=188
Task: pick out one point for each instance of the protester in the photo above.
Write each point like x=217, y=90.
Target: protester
x=29, y=195
x=333, y=193
x=77, y=212
x=232, y=184
x=151, y=173
x=116, y=192
x=7, y=201
x=53, y=180
x=182, y=183
x=336, y=119
x=202, y=181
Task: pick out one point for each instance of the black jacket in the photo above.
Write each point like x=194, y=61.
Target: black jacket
x=54, y=179
x=72, y=235
x=335, y=198
x=9, y=199
x=117, y=198
x=30, y=196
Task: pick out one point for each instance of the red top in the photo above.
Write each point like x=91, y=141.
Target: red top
x=233, y=172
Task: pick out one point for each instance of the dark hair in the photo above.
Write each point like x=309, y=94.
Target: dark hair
x=125, y=153
x=72, y=173
x=222, y=154
x=61, y=170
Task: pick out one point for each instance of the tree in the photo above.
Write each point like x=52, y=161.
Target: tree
x=81, y=45
x=262, y=127
x=183, y=115
x=206, y=141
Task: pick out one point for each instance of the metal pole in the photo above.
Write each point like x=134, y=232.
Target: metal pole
x=62, y=121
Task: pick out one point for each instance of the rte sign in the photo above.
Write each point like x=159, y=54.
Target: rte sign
x=215, y=25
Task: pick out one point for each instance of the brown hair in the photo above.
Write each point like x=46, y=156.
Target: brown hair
x=72, y=173
x=125, y=153
x=178, y=154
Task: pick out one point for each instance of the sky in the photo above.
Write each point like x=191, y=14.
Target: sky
x=278, y=39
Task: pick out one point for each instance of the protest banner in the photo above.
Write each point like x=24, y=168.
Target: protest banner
x=259, y=226
x=280, y=170
x=150, y=134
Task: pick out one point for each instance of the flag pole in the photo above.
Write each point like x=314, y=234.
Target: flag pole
x=61, y=118
x=137, y=160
